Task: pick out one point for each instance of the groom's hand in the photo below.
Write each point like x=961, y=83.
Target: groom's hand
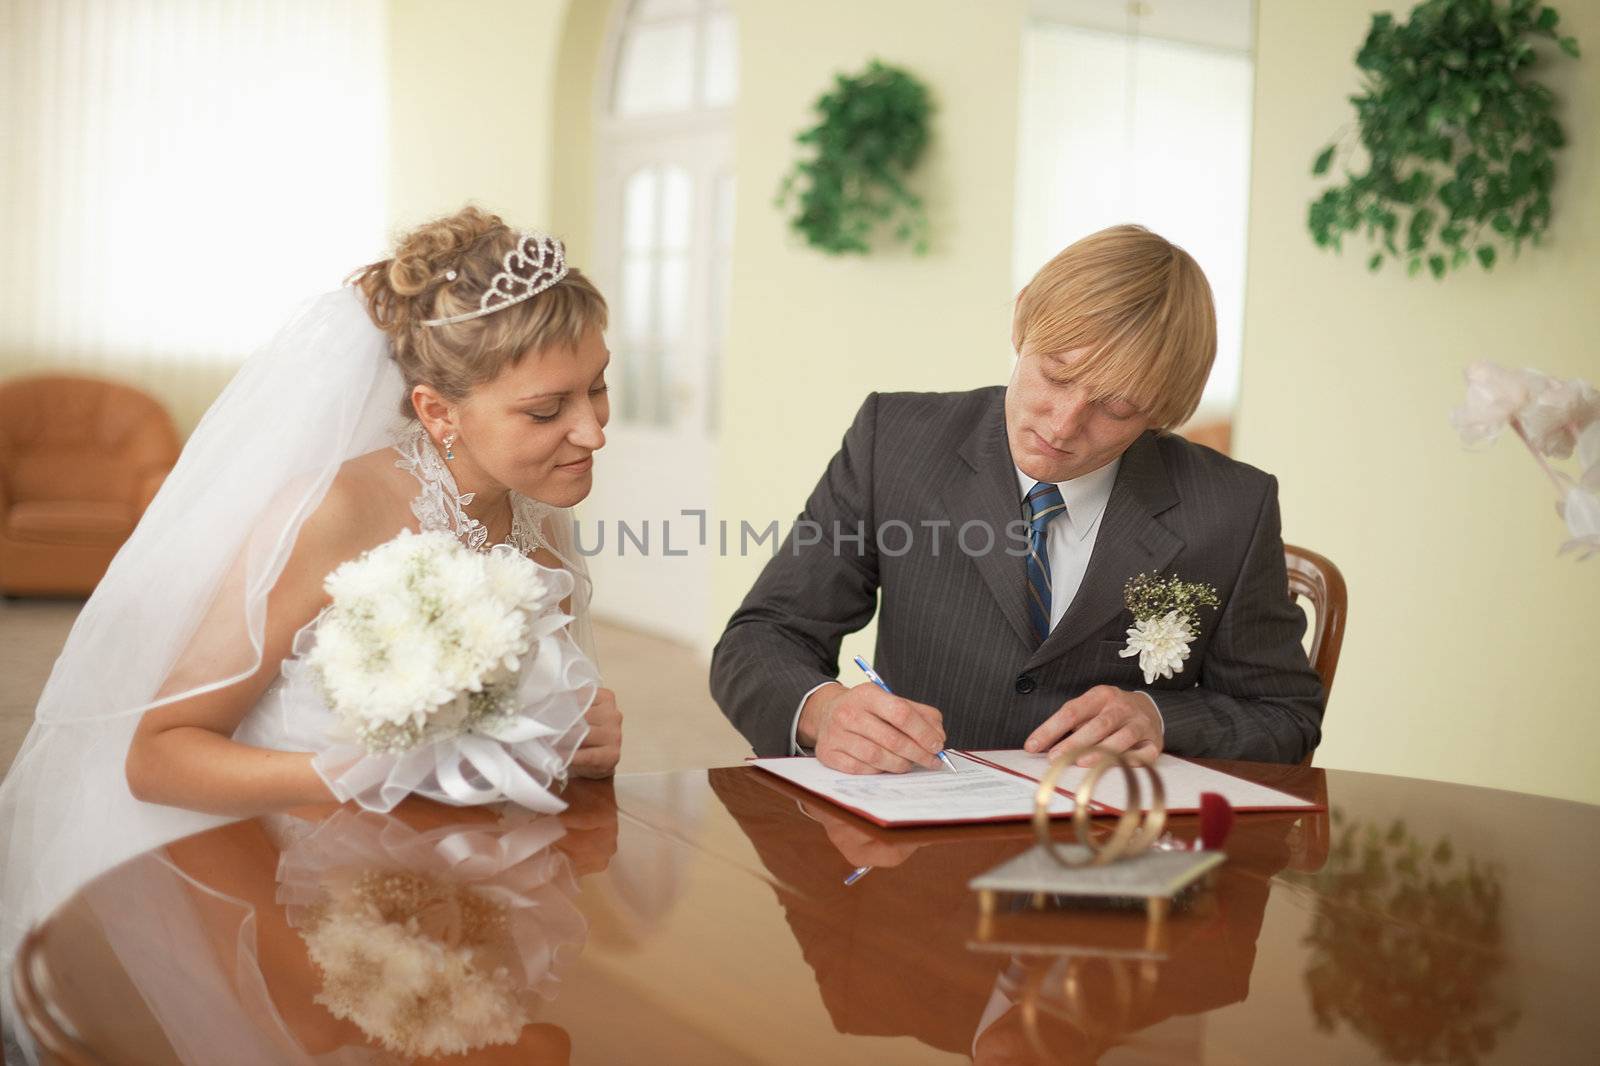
x=1104, y=716
x=864, y=730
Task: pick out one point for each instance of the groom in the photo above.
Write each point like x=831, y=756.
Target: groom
x=994, y=532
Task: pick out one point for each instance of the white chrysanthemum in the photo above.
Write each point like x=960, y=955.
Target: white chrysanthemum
x=495, y=634
x=514, y=579
x=354, y=582
x=1162, y=645
x=411, y=681
x=458, y=577
x=416, y=625
x=340, y=649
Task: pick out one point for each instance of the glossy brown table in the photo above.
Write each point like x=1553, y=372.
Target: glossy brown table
x=703, y=918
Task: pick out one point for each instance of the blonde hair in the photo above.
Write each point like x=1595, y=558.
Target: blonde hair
x=1139, y=308
x=404, y=291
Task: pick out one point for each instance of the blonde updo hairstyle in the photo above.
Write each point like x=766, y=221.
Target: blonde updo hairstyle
x=405, y=291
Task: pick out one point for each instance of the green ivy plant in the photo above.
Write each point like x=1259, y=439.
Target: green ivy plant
x=872, y=133
x=1458, y=137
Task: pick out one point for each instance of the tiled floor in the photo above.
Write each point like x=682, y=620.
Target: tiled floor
x=669, y=721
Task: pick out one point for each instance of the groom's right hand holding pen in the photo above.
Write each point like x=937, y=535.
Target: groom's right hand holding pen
x=866, y=730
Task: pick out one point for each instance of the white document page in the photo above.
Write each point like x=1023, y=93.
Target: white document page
x=1183, y=781
x=919, y=797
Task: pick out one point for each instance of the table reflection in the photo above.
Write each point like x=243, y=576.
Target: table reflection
x=1407, y=945
x=897, y=952
x=347, y=936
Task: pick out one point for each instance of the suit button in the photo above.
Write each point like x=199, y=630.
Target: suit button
x=1026, y=684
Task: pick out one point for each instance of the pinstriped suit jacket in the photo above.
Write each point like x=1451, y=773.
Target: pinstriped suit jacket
x=952, y=621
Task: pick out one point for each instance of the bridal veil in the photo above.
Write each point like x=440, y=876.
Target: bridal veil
x=182, y=609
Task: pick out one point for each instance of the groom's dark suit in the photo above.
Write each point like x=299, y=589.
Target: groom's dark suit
x=953, y=629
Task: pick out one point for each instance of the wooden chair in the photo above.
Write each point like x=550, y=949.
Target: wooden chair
x=1315, y=578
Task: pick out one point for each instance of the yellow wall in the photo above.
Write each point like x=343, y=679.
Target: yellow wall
x=810, y=335
x=1471, y=648
x=576, y=96
x=470, y=116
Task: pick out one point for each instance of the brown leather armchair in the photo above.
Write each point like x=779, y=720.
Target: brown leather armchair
x=80, y=460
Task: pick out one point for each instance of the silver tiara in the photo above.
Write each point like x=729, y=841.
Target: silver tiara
x=536, y=263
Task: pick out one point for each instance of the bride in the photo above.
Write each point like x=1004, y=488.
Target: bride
x=460, y=386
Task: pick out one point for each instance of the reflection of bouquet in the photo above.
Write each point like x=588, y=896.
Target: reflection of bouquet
x=424, y=638
x=440, y=671
x=1554, y=418
x=407, y=959
x=432, y=943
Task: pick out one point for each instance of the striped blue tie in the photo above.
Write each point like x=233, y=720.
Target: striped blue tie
x=1044, y=503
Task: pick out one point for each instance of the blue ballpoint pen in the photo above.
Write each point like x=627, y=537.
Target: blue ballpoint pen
x=872, y=675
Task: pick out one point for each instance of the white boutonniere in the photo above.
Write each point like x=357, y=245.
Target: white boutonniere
x=1166, y=619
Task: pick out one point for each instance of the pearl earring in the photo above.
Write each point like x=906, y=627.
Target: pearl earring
x=449, y=446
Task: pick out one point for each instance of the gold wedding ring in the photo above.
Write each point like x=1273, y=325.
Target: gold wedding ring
x=1136, y=828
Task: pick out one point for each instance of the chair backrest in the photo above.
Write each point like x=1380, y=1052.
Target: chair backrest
x=67, y=437
x=1319, y=581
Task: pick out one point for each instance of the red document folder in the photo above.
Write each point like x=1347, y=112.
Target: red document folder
x=999, y=786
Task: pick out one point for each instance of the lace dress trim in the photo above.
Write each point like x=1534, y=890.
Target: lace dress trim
x=439, y=506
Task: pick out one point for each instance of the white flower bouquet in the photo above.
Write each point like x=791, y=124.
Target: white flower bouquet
x=442, y=671
x=424, y=638
x=1556, y=420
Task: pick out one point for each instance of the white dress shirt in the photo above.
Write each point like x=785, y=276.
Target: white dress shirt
x=1070, y=539
x=1071, y=534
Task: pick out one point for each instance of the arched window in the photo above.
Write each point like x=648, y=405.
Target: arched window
x=666, y=205
x=675, y=56
x=1157, y=132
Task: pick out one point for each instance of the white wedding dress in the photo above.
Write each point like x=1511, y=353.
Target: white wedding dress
x=182, y=611
x=556, y=684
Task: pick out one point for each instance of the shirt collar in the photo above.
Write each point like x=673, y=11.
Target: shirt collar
x=1086, y=497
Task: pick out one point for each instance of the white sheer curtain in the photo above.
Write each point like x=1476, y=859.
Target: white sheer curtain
x=179, y=173
x=1119, y=128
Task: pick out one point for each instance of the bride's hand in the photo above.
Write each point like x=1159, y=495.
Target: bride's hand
x=598, y=755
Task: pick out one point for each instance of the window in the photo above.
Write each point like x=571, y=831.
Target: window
x=1119, y=126
x=178, y=176
x=664, y=214
x=666, y=206
x=675, y=56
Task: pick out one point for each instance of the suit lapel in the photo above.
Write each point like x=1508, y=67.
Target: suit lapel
x=1130, y=541
x=983, y=488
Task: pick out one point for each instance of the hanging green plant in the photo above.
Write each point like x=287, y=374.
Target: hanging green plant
x=873, y=131
x=1458, y=136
